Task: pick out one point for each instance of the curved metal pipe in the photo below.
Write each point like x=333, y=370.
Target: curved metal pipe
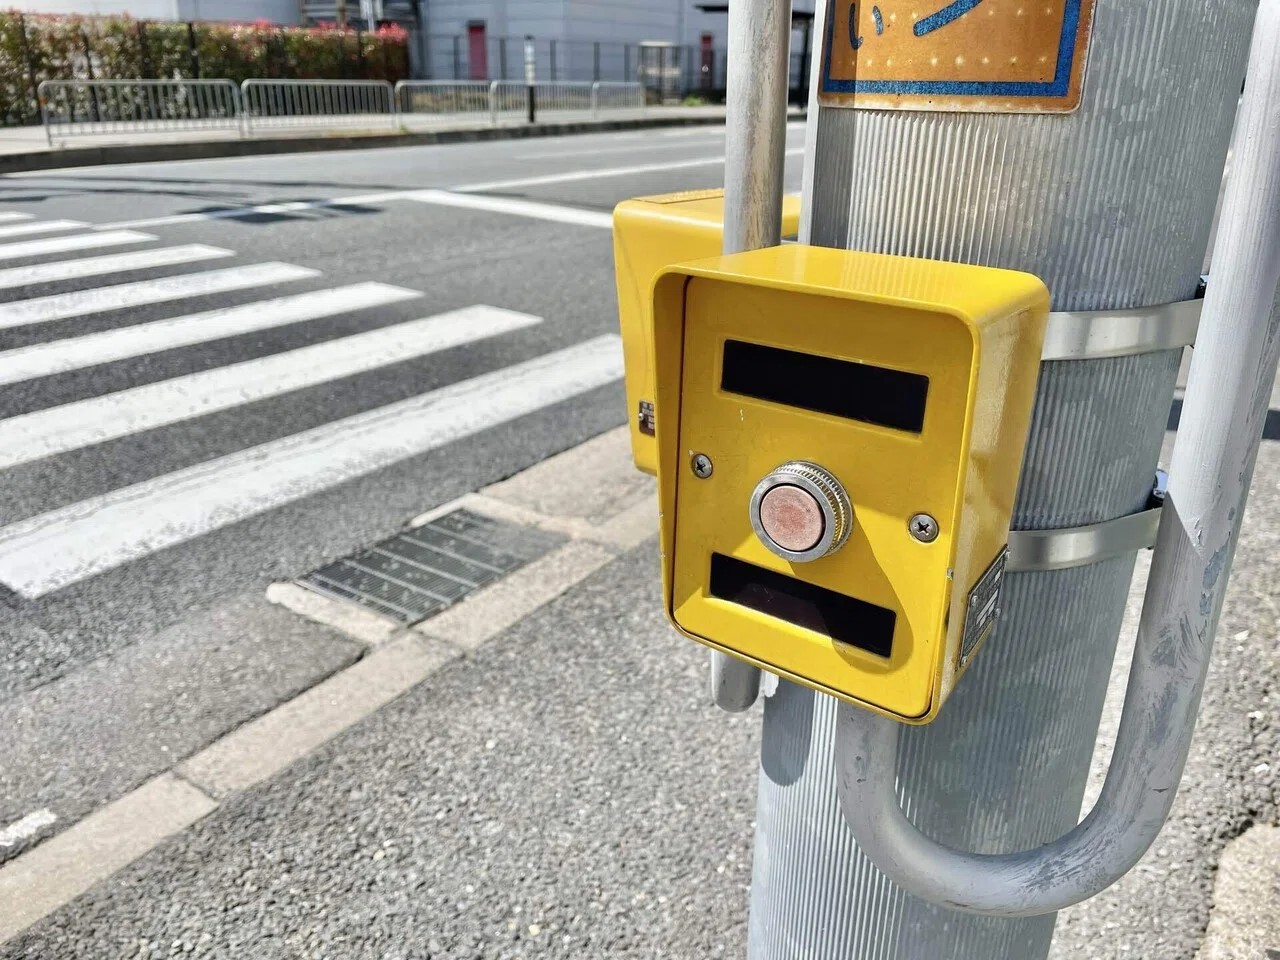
x=1227, y=398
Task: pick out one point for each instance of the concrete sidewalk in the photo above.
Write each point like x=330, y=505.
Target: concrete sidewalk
x=28, y=148
x=551, y=781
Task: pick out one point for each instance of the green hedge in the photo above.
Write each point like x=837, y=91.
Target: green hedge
x=35, y=48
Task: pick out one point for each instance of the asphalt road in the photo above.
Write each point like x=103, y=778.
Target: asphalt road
x=565, y=792
x=148, y=457
x=450, y=258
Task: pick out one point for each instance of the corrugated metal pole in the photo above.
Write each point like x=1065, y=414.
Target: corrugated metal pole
x=1228, y=393
x=1111, y=205
x=758, y=53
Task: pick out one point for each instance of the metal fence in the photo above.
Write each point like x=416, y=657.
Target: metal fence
x=607, y=95
x=669, y=71
x=97, y=107
x=552, y=99
x=310, y=103
x=76, y=108
x=500, y=101
x=453, y=99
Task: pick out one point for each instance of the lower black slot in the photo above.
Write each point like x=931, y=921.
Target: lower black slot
x=846, y=619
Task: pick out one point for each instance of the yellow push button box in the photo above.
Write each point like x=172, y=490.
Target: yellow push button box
x=650, y=233
x=837, y=460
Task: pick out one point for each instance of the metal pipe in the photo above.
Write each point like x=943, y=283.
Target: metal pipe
x=755, y=123
x=1213, y=459
x=755, y=150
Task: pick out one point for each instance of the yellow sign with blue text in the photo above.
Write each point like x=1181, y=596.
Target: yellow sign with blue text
x=838, y=454
x=1005, y=56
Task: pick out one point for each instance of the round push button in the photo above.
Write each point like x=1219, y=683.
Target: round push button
x=801, y=512
x=792, y=518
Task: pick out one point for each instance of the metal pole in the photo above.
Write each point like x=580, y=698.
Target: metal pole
x=1232, y=371
x=755, y=145
x=1004, y=766
x=193, y=49
x=31, y=71
x=530, y=78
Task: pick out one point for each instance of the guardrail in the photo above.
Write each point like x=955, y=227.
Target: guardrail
x=310, y=103
x=509, y=99
x=469, y=99
x=610, y=95
x=71, y=108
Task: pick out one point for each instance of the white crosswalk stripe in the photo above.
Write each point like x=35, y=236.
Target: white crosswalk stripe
x=67, y=545
x=75, y=353
x=60, y=306
x=80, y=241
x=70, y=426
x=40, y=226
x=111, y=263
x=74, y=541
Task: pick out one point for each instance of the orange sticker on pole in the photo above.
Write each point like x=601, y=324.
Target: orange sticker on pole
x=998, y=56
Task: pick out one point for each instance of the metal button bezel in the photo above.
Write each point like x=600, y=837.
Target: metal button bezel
x=837, y=512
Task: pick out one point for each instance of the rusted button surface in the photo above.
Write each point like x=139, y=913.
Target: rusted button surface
x=792, y=518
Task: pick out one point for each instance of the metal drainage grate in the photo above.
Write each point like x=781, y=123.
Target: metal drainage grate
x=418, y=573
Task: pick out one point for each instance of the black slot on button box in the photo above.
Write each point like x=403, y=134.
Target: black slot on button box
x=845, y=619
x=841, y=388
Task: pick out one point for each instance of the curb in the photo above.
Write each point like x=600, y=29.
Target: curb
x=1245, y=921
x=218, y=149
x=590, y=492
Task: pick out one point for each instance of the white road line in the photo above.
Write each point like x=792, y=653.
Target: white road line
x=111, y=263
x=41, y=226
x=64, y=546
x=82, y=241
x=292, y=206
x=298, y=206
x=574, y=154
x=571, y=176
x=520, y=208
x=26, y=828
x=59, y=306
x=55, y=430
x=13, y=217
x=74, y=353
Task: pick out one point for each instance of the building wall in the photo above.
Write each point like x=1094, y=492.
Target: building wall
x=276, y=11
x=576, y=26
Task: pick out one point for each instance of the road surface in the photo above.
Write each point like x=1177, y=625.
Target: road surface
x=218, y=375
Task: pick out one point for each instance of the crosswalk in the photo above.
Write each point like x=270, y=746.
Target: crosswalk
x=68, y=543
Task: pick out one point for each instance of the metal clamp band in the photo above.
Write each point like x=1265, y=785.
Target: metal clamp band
x=1078, y=546
x=1091, y=334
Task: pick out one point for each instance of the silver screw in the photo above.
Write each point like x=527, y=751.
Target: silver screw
x=702, y=466
x=923, y=527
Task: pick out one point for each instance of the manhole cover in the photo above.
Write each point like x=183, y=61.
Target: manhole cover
x=418, y=573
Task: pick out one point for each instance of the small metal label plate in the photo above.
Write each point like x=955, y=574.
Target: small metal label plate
x=983, y=608
x=985, y=56
x=645, y=418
